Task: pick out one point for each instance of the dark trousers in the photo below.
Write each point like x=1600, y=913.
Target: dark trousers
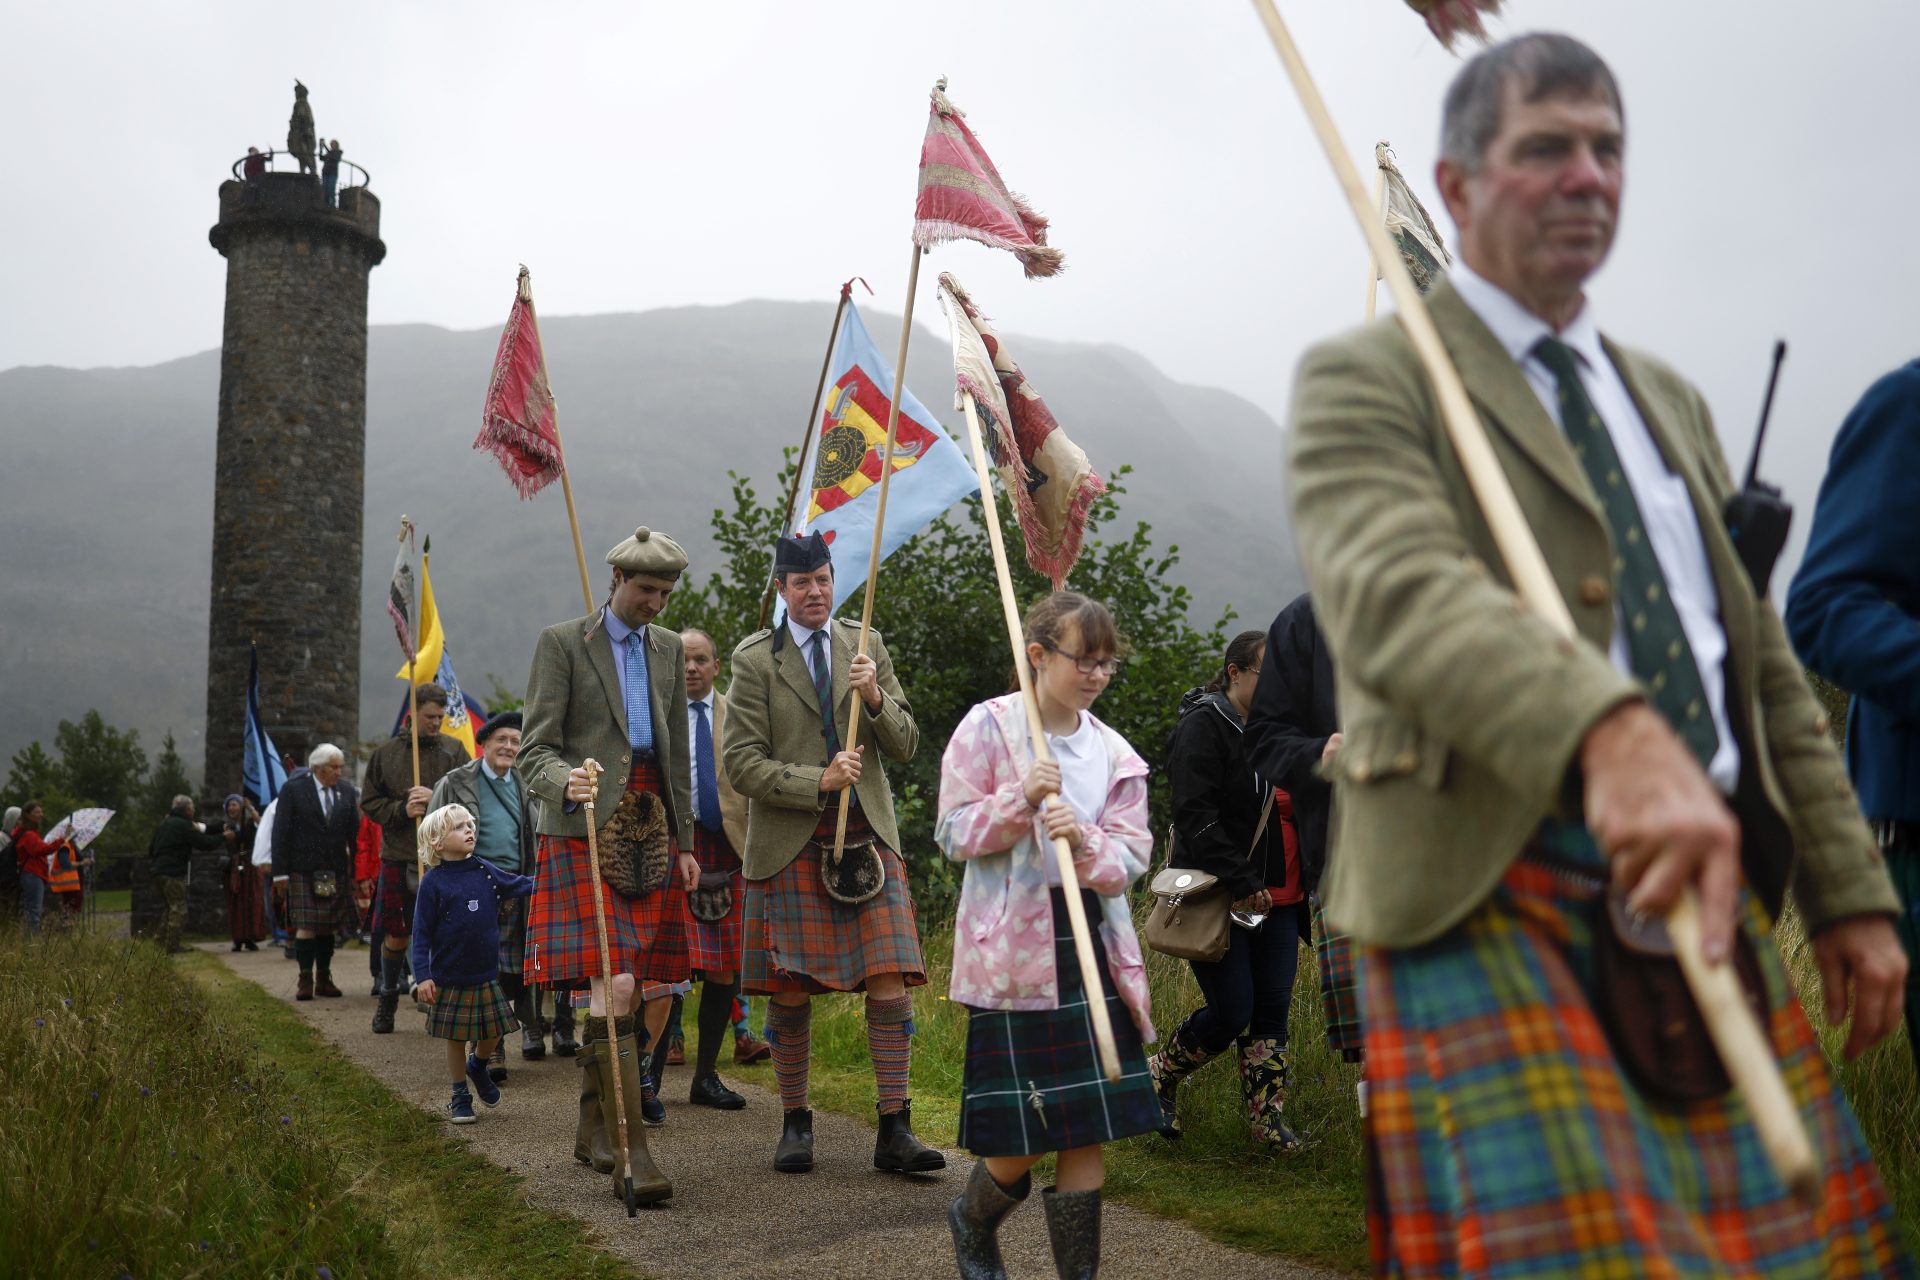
x=1903, y=863
x=1250, y=988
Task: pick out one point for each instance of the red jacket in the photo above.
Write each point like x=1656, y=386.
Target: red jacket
x=366, y=850
x=32, y=853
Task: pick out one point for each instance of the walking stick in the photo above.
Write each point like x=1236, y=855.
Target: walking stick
x=606, y=982
x=879, y=528
x=1744, y=1048
x=1062, y=853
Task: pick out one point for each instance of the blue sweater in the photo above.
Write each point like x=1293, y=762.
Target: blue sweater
x=456, y=922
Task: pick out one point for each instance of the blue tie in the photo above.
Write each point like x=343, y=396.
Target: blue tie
x=709, y=796
x=639, y=704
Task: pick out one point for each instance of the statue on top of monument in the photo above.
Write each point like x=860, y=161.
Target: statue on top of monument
x=300, y=132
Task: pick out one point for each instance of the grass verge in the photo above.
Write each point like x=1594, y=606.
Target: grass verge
x=170, y=1119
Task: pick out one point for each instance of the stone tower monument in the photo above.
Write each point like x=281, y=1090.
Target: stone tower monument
x=291, y=456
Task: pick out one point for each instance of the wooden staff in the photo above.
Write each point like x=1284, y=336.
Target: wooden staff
x=1062, y=853
x=566, y=482
x=413, y=704
x=806, y=439
x=879, y=527
x=606, y=979
x=1380, y=211
x=1744, y=1049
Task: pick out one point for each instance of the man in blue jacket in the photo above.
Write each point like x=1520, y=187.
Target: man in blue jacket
x=1854, y=615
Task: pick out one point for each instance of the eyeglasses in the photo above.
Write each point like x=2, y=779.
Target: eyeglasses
x=1108, y=667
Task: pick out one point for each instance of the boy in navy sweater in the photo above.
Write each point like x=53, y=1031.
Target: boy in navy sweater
x=456, y=952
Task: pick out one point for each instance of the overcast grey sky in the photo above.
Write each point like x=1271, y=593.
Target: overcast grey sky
x=644, y=155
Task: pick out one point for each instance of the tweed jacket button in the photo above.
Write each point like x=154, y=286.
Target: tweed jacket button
x=1361, y=771
x=1593, y=590
x=1406, y=761
x=1821, y=724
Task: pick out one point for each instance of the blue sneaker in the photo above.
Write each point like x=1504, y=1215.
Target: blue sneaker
x=482, y=1082
x=460, y=1109
x=653, y=1112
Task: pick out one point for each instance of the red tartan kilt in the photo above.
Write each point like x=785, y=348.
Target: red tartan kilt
x=715, y=947
x=646, y=936
x=393, y=905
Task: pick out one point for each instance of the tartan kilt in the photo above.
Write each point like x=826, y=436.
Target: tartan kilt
x=470, y=1013
x=513, y=936
x=802, y=940
x=322, y=915
x=1033, y=1081
x=1339, y=988
x=714, y=947
x=392, y=903
x=1503, y=1138
x=646, y=936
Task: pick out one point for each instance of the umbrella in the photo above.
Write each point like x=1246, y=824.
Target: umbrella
x=81, y=827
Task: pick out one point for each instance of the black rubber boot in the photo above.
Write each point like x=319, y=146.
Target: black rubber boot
x=898, y=1151
x=1179, y=1057
x=1073, y=1228
x=795, y=1152
x=975, y=1216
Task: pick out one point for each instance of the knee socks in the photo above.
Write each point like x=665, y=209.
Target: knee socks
x=716, y=1010
x=790, y=1031
x=392, y=980
x=888, y=1028
x=323, y=955
x=303, y=955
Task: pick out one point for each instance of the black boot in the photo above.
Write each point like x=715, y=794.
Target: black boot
x=975, y=1216
x=795, y=1152
x=383, y=1013
x=1073, y=1228
x=564, y=1045
x=527, y=1010
x=708, y=1091
x=898, y=1151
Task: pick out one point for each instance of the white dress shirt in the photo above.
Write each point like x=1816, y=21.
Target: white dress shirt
x=1673, y=528
x=693, y=741
x=263, y=838
x=1084, y=774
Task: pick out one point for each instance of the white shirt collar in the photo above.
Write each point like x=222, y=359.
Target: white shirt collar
x=706, y=702
x=803, y=636
x=1517, y=329
x=488, y=766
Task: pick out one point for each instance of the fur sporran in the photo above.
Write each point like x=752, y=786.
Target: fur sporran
x=711, y=900
x=857, y=875
x=636, y=853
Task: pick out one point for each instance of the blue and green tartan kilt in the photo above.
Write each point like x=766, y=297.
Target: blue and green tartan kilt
x=1033, y=1081
x=1339, y=988
x=320, y=915
x=470, y=1013
x=513, y=935
x=1504, y=1139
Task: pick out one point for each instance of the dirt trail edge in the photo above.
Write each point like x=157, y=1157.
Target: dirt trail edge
x=731, y=1215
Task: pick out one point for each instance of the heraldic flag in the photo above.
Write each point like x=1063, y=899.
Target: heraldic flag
x=518, y=424
x=261, y=773
x=434, y=663
x=840, y=482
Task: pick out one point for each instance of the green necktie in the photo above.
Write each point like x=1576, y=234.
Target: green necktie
x=1656, y=643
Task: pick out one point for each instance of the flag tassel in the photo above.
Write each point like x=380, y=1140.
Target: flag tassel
x=879, y=529
x=1744, y=1049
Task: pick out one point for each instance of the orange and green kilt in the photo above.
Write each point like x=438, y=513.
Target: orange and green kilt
x=1339, y=987
x=646, y=936
x=799, y=939
x=470, y=1013
x=1503, y=1138
x=714, y=946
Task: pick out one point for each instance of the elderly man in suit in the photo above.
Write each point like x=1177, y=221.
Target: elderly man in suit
x=814, y=925
x=610, y=691
x=316, y=817
x=1854, y=613
x=1493, y=778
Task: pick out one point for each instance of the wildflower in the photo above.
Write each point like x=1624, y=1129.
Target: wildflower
x=39, y=1022
x=325, y=1272
x=286, y=1119
x=145, y=1092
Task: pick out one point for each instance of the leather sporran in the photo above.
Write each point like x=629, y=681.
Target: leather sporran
x=636, y=853
x=326, y=883
x=857, y=875
x=1642, y=1000
x=711, y=900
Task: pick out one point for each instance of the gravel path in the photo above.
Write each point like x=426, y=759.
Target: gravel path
x=731, y=1215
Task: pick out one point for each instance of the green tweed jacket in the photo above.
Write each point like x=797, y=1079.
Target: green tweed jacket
x=776, y=750
x=1462, y=712
x=574, y=710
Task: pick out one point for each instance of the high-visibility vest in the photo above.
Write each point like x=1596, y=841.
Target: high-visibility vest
x=63, y=875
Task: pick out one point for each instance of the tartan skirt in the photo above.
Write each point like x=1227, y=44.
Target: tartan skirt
x=470, y=1013
x=321, y=915
x=393, y=903
x=1033, y=1081
x=513, y=935
x=646, y=936
x=1504, y=1139
x=1339, y=988
x=715, y=946
x=802, y=940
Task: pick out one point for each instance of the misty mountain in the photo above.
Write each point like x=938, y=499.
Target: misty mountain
x=106, y=500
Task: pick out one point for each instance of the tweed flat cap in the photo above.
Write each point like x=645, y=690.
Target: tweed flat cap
x=650, y=553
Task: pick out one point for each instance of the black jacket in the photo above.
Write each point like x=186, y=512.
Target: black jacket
x=304, y=839
x=1288, y=723
x=176, y=840
x=1217, y=799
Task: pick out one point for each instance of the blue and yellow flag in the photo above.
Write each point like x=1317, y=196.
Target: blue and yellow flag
x=433, y=663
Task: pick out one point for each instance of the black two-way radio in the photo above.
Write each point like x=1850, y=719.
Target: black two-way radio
x=1758, y=517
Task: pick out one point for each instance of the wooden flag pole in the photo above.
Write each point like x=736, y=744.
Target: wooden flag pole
x=879, y=528
x=1016, y=640
x=413, y=704
x=606, y=979
x=1744, y=1049
x=1380, y=211
x=566, y=479
x=806, y=439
